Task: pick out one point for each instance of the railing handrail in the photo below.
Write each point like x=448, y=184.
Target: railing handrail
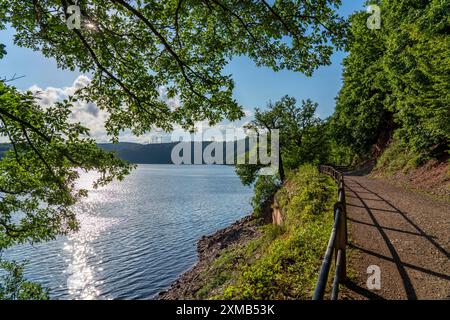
x=337, y=241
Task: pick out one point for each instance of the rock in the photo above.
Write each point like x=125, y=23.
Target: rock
x=208, y=248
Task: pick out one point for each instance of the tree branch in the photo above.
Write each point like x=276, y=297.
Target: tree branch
x=166, y=45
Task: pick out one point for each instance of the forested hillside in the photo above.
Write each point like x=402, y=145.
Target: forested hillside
x=396, y=82
x=157, y=153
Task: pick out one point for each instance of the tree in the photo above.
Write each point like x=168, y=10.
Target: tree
x=360, y=115
x=133, y=49
x=37, y=184
x=397, y=78
x=302, y=137
x=13, y=285
x=417, y=65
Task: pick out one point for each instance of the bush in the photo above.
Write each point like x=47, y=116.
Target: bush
x=398, y=157
x=264, y=190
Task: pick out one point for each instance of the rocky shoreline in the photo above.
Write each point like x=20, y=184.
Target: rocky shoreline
x=209, y=248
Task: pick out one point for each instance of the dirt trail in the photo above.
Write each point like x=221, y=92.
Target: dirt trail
x=404, y=233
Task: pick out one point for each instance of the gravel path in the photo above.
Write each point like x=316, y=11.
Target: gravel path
x=404, y=233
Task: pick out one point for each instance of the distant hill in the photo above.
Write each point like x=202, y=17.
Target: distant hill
x=156, y=153
x=141, y=153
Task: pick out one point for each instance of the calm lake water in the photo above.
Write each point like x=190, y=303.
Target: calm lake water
x=138, y=235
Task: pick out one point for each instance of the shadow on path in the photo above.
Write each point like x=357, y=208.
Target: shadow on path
x=407, y=284
x=409, y=244
x=362, y=291
x=396, y=210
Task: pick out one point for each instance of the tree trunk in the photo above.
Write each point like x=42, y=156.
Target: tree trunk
x=280, y=166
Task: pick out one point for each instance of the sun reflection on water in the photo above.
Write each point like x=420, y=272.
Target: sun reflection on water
x=81, y=273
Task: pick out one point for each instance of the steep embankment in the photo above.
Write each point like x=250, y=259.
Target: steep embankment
x=250, y=260
x=397, y=165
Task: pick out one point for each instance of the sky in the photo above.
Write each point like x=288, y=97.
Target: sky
x=254, y=86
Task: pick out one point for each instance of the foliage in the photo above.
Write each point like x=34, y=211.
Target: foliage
x=284, y=262
x=2, y=50
x=265, y=188
x=248, y=173
x=339, y=154
x=13, y=286
x=133, y=49
x=37, y=184
x=302, y=137
x=396, y=158
x=417, y=63
x=397, y=77
x=360, y=114
x=224, y=266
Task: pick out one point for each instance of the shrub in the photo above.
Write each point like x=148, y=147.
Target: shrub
x=398, y=157
x=13, y=285
x=264, y=190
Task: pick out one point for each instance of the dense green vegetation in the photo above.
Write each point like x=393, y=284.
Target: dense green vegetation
x=302, y=135
x=303, y=138
x=134, y=48
x=284, y=262
x=396, y=87
x=397, y=159
x=397, y=80
x=396, y=92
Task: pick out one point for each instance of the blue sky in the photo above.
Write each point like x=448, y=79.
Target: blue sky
x=254, y=86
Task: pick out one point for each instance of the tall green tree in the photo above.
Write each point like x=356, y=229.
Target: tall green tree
x=397, y=78
x=361, y=115
x=417, y=66
x=302, y=137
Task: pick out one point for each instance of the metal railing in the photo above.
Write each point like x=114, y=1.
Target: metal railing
x=337, y=242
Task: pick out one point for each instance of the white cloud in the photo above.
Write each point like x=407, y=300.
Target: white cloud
x=89, y=115
x=86, y=113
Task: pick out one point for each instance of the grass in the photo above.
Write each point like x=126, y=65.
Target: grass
x=397, y=158
x=284, y=262
x=397, y=162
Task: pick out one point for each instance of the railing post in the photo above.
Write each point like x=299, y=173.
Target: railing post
x=341, y=239
x=337, y=241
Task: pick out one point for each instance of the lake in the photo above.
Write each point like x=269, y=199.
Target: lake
x=137, y=236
